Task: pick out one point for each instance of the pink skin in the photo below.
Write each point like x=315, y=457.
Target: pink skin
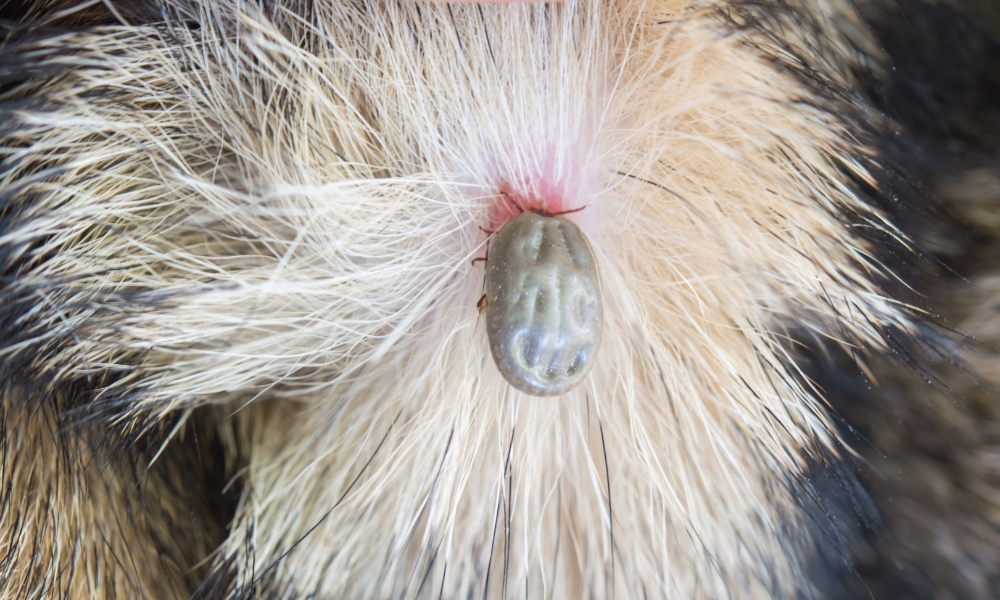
x=512, y=203
x=546, y=193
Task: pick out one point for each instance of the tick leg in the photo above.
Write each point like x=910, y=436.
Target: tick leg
x=477, y=259
x=511, y=200
x=482, y=303
x=566, y=212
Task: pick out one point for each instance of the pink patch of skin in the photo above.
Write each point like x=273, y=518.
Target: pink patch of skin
x=563, y=180
x=569, y=193
x=513, y=200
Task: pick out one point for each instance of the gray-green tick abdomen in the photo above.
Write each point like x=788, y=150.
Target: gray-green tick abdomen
x=544, y=312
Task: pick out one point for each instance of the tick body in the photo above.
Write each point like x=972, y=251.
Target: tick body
x=544, y=312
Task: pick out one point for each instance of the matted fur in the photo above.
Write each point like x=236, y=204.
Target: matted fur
x=272, y=208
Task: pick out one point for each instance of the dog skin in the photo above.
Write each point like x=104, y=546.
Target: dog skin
x=242, y=353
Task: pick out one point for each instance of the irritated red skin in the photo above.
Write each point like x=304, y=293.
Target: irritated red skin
x=510, y=202
x=560, y=182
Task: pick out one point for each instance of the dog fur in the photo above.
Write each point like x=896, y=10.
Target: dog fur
x=241, y=351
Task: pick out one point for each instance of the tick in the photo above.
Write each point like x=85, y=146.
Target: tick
x=543, y=308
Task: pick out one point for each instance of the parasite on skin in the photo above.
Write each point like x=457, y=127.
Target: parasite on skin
x=544, y=312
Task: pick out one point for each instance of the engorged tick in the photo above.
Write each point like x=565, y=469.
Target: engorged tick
x=543, y=307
